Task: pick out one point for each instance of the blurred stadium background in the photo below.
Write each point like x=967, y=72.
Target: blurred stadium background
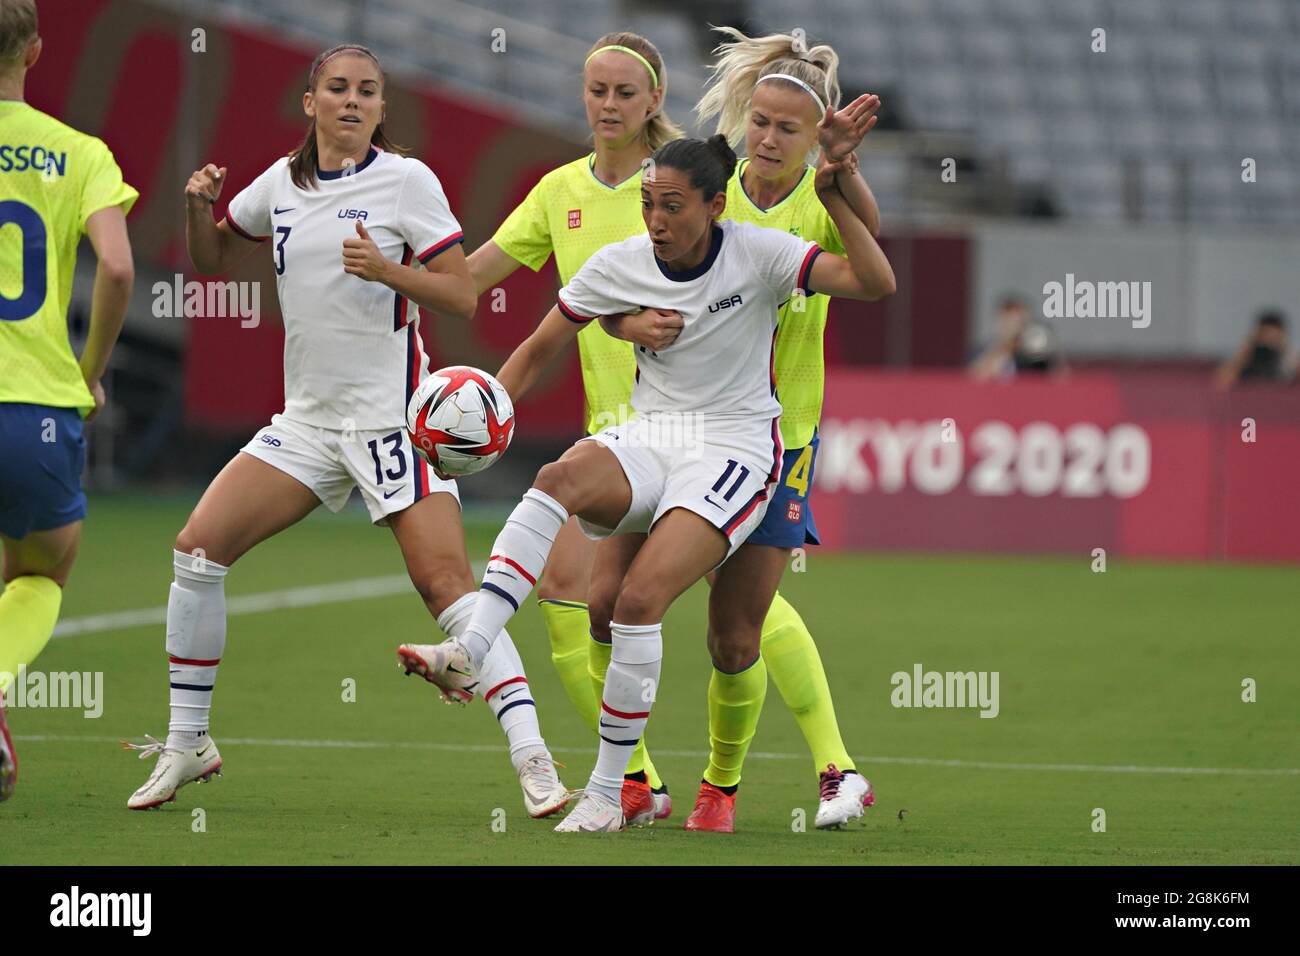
x=1171, y=158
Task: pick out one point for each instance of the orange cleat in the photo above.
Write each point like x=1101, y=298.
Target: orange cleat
x=715, y=811
x=638, y=803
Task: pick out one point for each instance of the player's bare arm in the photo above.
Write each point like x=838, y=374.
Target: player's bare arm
x=521, y=370
x=443, y=285
x=114, y=276
x=866, y=273
x=489, y=266
x=213, y=246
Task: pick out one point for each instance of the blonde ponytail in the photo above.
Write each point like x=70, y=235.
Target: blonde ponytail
x=745, y=60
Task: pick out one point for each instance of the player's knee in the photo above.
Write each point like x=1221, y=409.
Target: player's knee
x=731, y=653
x=194, y=542
x=558, y=583
x=639, y=603
x=562, y=481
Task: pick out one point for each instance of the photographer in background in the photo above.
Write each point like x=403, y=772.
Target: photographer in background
x=1023, y=344
x=1267, y=355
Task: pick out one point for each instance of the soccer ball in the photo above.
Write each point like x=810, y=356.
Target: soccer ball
x=460, y=420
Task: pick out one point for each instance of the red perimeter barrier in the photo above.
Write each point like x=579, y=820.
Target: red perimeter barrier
x=934, y=461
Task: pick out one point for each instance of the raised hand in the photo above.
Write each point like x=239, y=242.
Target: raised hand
x=840, y=132
x=205, y=186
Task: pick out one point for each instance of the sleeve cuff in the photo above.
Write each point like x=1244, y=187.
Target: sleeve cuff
x=440, y=247
x=241, y=231
x=571, y=315
x=805, y=270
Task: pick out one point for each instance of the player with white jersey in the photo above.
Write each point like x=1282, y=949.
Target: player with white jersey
x=347, y=218
x=694, y=470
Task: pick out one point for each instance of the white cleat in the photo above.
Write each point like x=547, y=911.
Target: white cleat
x=844, y=797
x=543, y=792
x=663, y=804
x=447, y=666
x=8, y=759
x=175, y=768
x=595, y=813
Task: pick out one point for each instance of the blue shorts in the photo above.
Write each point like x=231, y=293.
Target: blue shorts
x=42, y=452
x=789, y=520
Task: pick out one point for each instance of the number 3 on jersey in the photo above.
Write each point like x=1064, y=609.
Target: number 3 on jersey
x=798, y=477
x=31, y=294
x=283, y=233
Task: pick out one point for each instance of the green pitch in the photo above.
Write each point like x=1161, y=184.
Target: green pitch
x=1119, y=692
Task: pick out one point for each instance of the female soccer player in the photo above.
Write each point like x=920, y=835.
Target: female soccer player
x=58, y=184
x=573, y=211
x=695, y=502
x=779, y=98
x=346, y=215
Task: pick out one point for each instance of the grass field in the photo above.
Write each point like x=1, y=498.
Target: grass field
x=1119, y=691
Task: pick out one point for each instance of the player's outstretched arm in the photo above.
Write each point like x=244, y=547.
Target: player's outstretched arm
x=214, y=247
x=526, y=363
x=866, y=273
x=490, y=265
x=114, y=275
x=839, y=134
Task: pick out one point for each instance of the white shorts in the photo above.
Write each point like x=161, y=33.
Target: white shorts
x=330, y=462
x=725, y=477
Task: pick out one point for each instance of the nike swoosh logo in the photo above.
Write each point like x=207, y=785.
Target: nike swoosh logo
x=497, y=571
x=614, y=726
x=517, y=690
x=714, y=503
x=285, y=209
x=389, y=494
x=460, y=672
x=204, y=750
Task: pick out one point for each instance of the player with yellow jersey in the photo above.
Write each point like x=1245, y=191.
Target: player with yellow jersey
x=573, y=211
x=56, y=184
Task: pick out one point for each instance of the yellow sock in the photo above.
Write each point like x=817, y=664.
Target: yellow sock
x=569, y=629
x=29, y=609
x=797, y=671
x=597, y=663
x=735, y=703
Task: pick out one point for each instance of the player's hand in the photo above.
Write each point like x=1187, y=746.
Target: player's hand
x=361, y=257
x=824, y=180
x=840, y=132
x=204, y=186
x=656, y=329
x=97, y=393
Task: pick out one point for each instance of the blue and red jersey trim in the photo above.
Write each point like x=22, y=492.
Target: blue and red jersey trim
x=438, y=248
x=241, y=231
x=571, y=315
x=805, y=270
x=401, y=304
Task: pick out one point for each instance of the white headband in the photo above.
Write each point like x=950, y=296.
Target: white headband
x=794, y=79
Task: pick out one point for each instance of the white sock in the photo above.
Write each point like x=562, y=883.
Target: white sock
x=503, y=684
x=196, y=639
x=518, y=556
x=631, y=684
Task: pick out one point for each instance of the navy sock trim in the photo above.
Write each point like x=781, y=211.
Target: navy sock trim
x=500, y=592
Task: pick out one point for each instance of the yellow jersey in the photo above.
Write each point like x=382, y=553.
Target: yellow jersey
x=570, y=214
x=52, y=179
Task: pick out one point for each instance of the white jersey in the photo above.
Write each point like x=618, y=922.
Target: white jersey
x=720, y=366
x=352, y=349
